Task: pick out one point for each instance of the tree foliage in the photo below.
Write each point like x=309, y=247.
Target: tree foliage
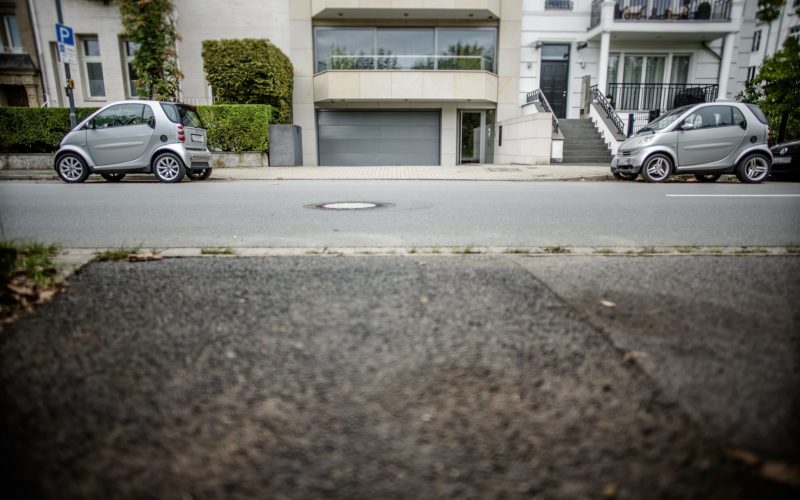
x=776, y=88
x=769, y=10
x=250, y=71
x=150, y=25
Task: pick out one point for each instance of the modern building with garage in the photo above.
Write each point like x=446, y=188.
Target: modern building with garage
x=445, y=82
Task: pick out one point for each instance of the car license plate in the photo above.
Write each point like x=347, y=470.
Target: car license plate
x=782, y=159
x=197, y=138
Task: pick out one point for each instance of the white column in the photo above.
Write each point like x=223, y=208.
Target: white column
x=602, y=70
x=725, y=64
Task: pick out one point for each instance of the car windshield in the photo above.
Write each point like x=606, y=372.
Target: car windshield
x=183, y=114
x=665, y=121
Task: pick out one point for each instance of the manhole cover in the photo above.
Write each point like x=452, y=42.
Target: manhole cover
x=348, y=205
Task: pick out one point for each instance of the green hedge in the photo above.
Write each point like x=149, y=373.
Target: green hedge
x=237, y=127
x=234, y=128
x=250, y=71
x=35, y=130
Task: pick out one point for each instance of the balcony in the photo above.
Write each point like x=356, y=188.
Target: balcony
x=670, y=19
x=659, y=96
x=405, y=9
x=405, y=85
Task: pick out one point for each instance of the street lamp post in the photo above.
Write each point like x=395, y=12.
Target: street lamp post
x=73, y=120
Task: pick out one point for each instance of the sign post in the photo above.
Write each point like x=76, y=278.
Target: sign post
x=68, y=55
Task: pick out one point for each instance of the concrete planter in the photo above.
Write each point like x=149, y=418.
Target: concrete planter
x=44, y=161
x=32, y=161
x=245, y=159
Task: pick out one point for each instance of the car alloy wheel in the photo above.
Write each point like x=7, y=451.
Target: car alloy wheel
x=169, y=168
x=657, y=168
x=72, y=168
x=753, y=169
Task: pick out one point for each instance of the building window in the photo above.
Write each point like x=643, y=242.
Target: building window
x=557, y=4
x=129, y=50
x=751, y=72
x=413, y=49
x=795, y=30
x=756, y=41
x=11, y=42
x=93, y=67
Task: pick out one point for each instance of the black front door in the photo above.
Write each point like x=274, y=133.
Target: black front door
x=554, y=78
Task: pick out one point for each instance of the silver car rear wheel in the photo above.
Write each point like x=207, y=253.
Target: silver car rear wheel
x=753, y=169
x=71, y=168
x=657, y=168
x=168, y=168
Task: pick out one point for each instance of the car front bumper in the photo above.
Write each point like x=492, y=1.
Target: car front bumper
x=627, y=163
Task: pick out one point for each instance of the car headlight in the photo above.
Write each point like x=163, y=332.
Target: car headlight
x=647, y=140
x=783, y=151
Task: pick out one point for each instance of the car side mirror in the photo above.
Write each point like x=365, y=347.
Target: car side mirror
x=89, y=124
x=687, y=126
x=743, y=124
x=151, y=122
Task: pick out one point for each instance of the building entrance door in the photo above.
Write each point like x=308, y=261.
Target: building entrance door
x=554, y=77
x=476, y=136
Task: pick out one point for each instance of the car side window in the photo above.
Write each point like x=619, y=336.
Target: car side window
x=738, y=118
x=711, y=116
x=147, y=115
x=120, y=115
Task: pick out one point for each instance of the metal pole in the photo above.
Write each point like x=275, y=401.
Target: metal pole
x=73, y=120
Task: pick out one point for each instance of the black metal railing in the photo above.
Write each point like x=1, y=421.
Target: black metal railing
x=661, y=96
x=638, y=120
x=664, y=10
x=558, y=5
x=608, y=109
x=538, y=97
x=672, y=10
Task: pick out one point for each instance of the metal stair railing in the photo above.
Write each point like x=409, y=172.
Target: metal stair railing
x=606, y=106
x=538, y=97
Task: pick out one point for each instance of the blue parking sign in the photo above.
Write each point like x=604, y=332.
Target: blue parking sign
x=64, y=34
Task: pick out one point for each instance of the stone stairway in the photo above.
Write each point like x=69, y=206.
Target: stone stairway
x=583, y=143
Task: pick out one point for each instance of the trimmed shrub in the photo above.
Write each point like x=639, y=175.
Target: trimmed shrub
x=250, y=71
x=237, y=127
x=233, y=128
x=35, y=130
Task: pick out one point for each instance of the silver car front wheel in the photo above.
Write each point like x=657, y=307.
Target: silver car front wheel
x=657, y=168
x=168, y=168
x=71, y=168
x=753, y=169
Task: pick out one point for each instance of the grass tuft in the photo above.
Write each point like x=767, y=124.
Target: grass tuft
x=217, y=251
x=517, y=250
x=792, y=249
x=749, y=250
x=603, y=251
x=116, y=254
x=688, y=249
x=556, y=249
x=28, y=275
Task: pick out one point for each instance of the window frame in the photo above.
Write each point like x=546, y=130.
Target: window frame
x=127, y=59
x=91, y=59
x=756, y=45
x=8, y=32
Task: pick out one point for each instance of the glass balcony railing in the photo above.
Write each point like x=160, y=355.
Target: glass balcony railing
x=382, y=62
x=665, y=10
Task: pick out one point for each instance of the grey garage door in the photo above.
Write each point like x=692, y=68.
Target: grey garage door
x=378, y=137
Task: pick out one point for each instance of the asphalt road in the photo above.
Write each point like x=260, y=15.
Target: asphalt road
x=451, y=213
x=400, y=377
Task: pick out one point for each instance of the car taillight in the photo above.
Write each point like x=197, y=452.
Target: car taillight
x=181, y=134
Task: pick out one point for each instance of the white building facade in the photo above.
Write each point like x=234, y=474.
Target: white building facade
x=440, y=82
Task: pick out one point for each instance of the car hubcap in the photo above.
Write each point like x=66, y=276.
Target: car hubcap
x=167, y=168
x=70, y=168
x=756, y=168
x=658, y=168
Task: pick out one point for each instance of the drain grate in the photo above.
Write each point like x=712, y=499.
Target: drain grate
x=348, y=205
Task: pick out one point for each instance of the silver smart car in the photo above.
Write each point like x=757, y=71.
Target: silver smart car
x=162, y=138
x=706, y=140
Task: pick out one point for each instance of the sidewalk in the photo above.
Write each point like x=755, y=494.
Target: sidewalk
x=462, y=172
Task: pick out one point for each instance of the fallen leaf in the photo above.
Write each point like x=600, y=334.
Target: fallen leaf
x=46, y=295
x=744, y=456
x=781, y=472
x=610, y=490
x=632, y=355
x=21, y=289
x=424, y=300
x=608, y=303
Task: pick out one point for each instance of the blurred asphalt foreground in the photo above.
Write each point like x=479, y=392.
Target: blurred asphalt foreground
x=408, y=377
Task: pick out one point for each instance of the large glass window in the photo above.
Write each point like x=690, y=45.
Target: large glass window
x=93, y=67
x=12, y=33
x=466, y=49
x=680, y=69
x=405, y=48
